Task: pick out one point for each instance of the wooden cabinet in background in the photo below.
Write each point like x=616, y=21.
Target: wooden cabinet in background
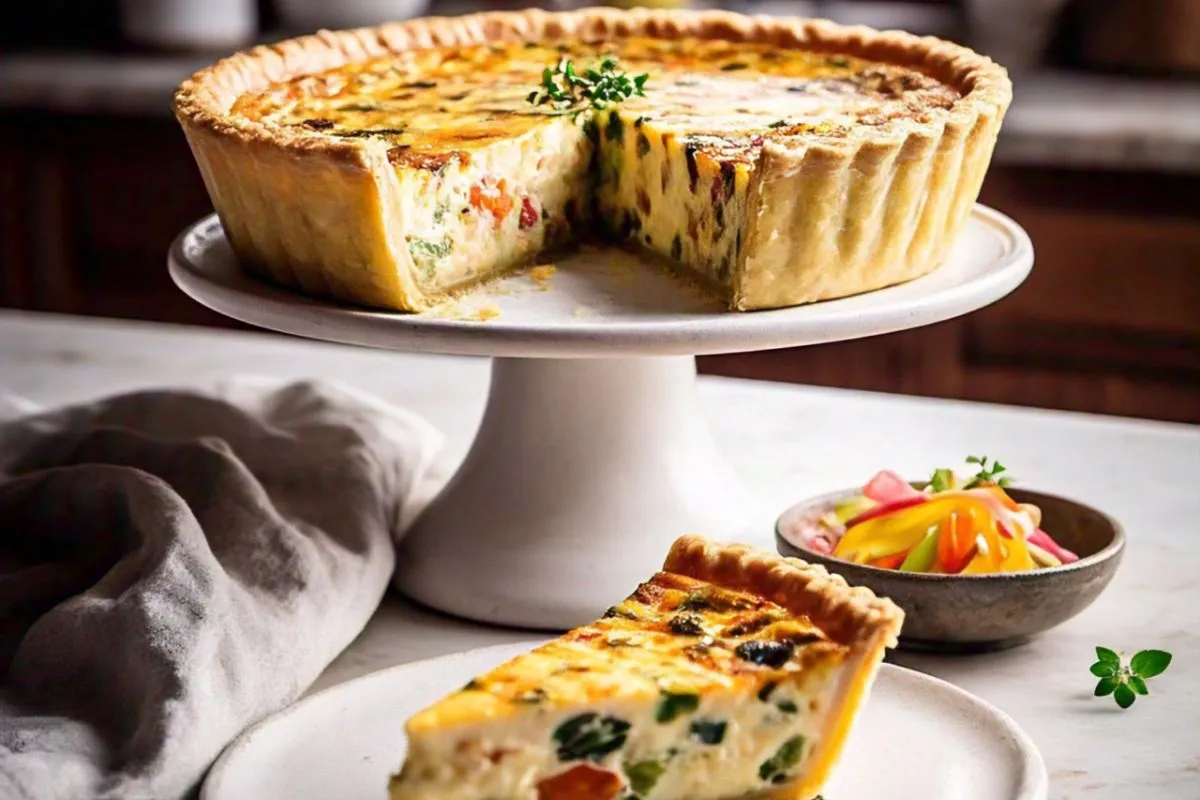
x=1108, y=322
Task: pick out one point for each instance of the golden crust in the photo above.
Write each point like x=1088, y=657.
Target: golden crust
x=205, y=98
x=863, y=212
x=853, y=616
x=847, y=615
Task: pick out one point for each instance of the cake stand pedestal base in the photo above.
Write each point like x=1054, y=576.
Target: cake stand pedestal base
x=593, y=455
x=583, y=473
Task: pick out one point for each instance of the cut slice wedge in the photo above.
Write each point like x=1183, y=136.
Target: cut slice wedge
x=731, y=673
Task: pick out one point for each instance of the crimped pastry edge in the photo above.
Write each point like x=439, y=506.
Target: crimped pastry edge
x=244, y=161
x=848, y=615
x=852, y=616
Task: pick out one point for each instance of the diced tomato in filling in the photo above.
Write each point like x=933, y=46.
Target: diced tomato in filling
x=529, y=212
x=583, y=782
x=492, y=195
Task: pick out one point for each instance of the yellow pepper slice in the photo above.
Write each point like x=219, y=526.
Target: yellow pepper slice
x=892, y=533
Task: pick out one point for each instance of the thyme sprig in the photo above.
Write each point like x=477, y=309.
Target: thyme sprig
x=601, y=85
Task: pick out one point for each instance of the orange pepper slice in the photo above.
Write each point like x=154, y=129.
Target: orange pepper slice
x=889, y=562
x=956, y=540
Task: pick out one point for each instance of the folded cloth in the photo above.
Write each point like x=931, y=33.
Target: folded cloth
x=176, y=565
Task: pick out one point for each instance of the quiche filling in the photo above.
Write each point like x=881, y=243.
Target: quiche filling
x=687, y=690
x=481, y=180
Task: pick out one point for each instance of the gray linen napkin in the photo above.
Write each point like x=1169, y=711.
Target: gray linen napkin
x=176, y=565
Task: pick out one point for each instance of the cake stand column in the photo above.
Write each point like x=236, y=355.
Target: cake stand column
x=582, y=474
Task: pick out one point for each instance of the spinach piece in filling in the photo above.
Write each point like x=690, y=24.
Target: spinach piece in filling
x=644, y=775
x=708, y=731
x=775, y=769
x=589, y=737
x=672, y=705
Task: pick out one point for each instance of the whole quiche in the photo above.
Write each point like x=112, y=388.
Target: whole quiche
x=778, y=161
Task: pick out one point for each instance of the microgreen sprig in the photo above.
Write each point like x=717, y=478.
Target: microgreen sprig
x=1126, y=681
x=988, y=473
x=602, y=85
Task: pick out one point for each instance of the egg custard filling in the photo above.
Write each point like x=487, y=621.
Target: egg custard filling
x=778, y=162
x=732, y=673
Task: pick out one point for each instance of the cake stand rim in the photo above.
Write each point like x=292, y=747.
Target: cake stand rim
x=237, y=294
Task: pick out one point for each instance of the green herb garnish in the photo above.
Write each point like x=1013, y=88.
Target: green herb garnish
x=1126, y=681
x=988, y=473
x=601, y=86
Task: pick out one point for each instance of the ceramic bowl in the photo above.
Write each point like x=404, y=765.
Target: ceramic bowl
x=978, y=613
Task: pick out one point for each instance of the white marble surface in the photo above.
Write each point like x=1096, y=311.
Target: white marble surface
x=791, y=442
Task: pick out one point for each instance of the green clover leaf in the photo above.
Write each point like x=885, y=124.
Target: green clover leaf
x=1149, y=663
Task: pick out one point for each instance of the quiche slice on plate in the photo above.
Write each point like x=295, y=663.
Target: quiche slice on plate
x=732, y=673
x=776, y=161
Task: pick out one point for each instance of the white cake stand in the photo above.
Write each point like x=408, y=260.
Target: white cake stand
x=593, y=455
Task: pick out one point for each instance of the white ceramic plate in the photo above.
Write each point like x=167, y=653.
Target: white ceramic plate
x=919, y=739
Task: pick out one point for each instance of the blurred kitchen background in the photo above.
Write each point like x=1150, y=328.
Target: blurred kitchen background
x=1099, y=159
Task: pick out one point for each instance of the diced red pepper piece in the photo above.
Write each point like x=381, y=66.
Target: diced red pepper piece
x=492, y=196
x=583, y=782
x=529, y=212
x=888, y=486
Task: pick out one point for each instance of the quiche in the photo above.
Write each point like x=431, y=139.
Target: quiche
x=732, y=673
x=776, y=161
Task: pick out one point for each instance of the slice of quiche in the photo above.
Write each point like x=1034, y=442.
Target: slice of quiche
x=732, y=673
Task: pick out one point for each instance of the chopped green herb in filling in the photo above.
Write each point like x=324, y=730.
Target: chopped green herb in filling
x=672, y=705
x=589, y=737
x=643, y=776
x=708, y=731
x=775, y=769
x=426, y=254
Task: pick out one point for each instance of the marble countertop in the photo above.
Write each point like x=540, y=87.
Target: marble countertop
x=791, y=442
